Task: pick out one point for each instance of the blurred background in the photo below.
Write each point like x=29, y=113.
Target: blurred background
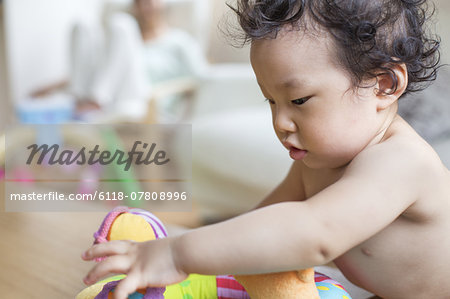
x=84, y=61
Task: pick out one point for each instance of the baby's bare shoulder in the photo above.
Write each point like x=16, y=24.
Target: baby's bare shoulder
x=405, y=149
x=431, y=179
x=411, y=164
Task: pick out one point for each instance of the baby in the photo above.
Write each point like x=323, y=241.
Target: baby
x=364, y=191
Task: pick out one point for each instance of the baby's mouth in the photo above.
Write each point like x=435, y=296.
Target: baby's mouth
x=296, y=153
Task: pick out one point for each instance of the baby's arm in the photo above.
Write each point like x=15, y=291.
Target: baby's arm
x=290, y=189
x=280, y=237
x=380, y=184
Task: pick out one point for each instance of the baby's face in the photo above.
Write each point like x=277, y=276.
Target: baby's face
x=148, y=8
x=316, y=113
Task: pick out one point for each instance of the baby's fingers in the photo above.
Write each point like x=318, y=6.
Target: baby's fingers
x=107, y=249
x=114, y=264
x=126, y=286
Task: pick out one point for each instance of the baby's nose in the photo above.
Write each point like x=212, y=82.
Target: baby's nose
x=283, y=123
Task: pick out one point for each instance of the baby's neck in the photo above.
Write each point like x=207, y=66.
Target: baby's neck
x=390, y=116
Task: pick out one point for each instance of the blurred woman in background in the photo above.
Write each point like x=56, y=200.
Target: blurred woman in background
x=118, y=67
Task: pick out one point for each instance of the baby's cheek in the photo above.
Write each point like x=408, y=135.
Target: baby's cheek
x=330, y=152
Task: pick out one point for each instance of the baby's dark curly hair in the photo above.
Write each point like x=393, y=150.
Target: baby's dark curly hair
x=370, y=36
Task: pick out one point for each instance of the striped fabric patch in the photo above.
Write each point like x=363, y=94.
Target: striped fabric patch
x=319, y=277
x=229, y=288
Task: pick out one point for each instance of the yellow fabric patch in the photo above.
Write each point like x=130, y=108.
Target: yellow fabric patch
x=195, y=286
x=128, y=226
x=93, y=290
x=322, y=288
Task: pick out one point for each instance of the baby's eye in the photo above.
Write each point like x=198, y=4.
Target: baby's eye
x=271, y=102
x=300, y=101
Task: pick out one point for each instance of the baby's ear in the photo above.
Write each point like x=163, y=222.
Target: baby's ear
x=391, y=84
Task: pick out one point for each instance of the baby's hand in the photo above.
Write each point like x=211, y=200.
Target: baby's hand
x=148, y=264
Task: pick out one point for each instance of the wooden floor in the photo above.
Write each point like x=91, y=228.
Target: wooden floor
x=40, y=252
